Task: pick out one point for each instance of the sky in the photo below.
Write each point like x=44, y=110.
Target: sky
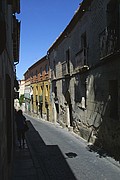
x=42, y=21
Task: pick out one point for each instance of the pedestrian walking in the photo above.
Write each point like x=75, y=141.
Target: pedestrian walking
x=21, y=127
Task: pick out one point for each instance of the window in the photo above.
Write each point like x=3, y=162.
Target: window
x=46, y=90
x=46, y=68
x=42, y=88
x=80, y=93
x=83, y=40
x=55, y=91
x=41, y=71
x=36, y=100
x=53, y=64
x=68, y=60
x=113, y=24
x=31, y=74
x=32, y=99
x=109, y=38
x=36, y=73
x=54, y=69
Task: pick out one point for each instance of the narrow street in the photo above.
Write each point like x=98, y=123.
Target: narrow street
x=58, y=154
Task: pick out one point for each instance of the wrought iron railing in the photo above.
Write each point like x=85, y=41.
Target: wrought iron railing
x=109, y=41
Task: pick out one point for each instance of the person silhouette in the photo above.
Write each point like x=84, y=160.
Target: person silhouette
x=20, y=123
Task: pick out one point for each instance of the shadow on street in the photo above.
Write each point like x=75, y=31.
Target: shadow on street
x=102, y=153
x=48, y=159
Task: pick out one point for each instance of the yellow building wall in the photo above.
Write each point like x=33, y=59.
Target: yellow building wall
x=41, y=97
x=35, y=98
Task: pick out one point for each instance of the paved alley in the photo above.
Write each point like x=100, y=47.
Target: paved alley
x=53, y=153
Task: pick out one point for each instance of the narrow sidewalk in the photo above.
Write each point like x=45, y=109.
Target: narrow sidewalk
x=23, y=166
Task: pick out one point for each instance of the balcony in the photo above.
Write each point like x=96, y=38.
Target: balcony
x=109, y=41
x=81, y=60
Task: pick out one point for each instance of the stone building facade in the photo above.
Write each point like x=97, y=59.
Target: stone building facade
x=21, y=94
x=27, y=91
x=37, y=89
x=85, y=74
x=9, y=57
x=21, y=87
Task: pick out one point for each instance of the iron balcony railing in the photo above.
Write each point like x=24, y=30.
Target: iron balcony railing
x=109, y=41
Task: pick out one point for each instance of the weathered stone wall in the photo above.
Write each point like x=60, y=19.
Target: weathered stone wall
x=95, y=122
x=87, y=91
